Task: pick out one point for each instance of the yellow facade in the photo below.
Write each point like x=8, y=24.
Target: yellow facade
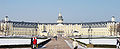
x=106, y=28
x=68, y=30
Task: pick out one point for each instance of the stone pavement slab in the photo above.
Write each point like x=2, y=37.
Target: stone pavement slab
x=56, y=44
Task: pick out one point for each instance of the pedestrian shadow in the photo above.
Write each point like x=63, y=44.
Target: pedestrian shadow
x=43, y=47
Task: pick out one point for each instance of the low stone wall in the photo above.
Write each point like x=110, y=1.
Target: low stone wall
x=40, y=43
x=43, y=43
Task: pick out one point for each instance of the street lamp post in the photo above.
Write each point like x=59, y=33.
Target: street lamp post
x=110, y=30
x=36, y=31
x=6, y=29
x=89, y=36
x=115, y=33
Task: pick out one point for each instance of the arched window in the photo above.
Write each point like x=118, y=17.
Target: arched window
x=75, y=32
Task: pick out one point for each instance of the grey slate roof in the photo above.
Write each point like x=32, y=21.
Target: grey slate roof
x=34, y=24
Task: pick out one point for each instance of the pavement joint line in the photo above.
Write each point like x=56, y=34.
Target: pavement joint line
x=68, y=44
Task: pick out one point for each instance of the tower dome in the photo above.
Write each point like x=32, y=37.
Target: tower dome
x=113, y=19
x=60, y=18
x=6, y=18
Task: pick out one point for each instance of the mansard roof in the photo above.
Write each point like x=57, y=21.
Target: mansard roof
x=23, y=22
x=35, y=23
x=47, y=23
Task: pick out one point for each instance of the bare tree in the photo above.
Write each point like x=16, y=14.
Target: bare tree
x=111, y=30
x=118, y=28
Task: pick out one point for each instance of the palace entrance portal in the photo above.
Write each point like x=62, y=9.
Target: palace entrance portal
x=60, y=33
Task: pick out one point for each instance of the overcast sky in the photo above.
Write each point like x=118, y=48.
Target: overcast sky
x=72, y=10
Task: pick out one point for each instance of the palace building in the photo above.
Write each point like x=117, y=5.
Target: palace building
x=106, y=28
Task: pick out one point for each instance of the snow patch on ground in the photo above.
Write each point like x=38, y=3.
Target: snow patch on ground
x=99, y=41
x=101, y=48
x=18, y=41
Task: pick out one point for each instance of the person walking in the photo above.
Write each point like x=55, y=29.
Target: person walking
x=118, y=44
x=56, y=38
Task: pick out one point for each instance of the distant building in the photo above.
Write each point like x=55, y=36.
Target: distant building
x=106, y=28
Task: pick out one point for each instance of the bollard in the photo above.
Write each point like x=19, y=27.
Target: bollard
x=90, y=45
x=31, y=42
x=75, y=44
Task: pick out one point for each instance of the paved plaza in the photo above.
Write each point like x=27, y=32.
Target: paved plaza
x=60, y=43
x=57, y=44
